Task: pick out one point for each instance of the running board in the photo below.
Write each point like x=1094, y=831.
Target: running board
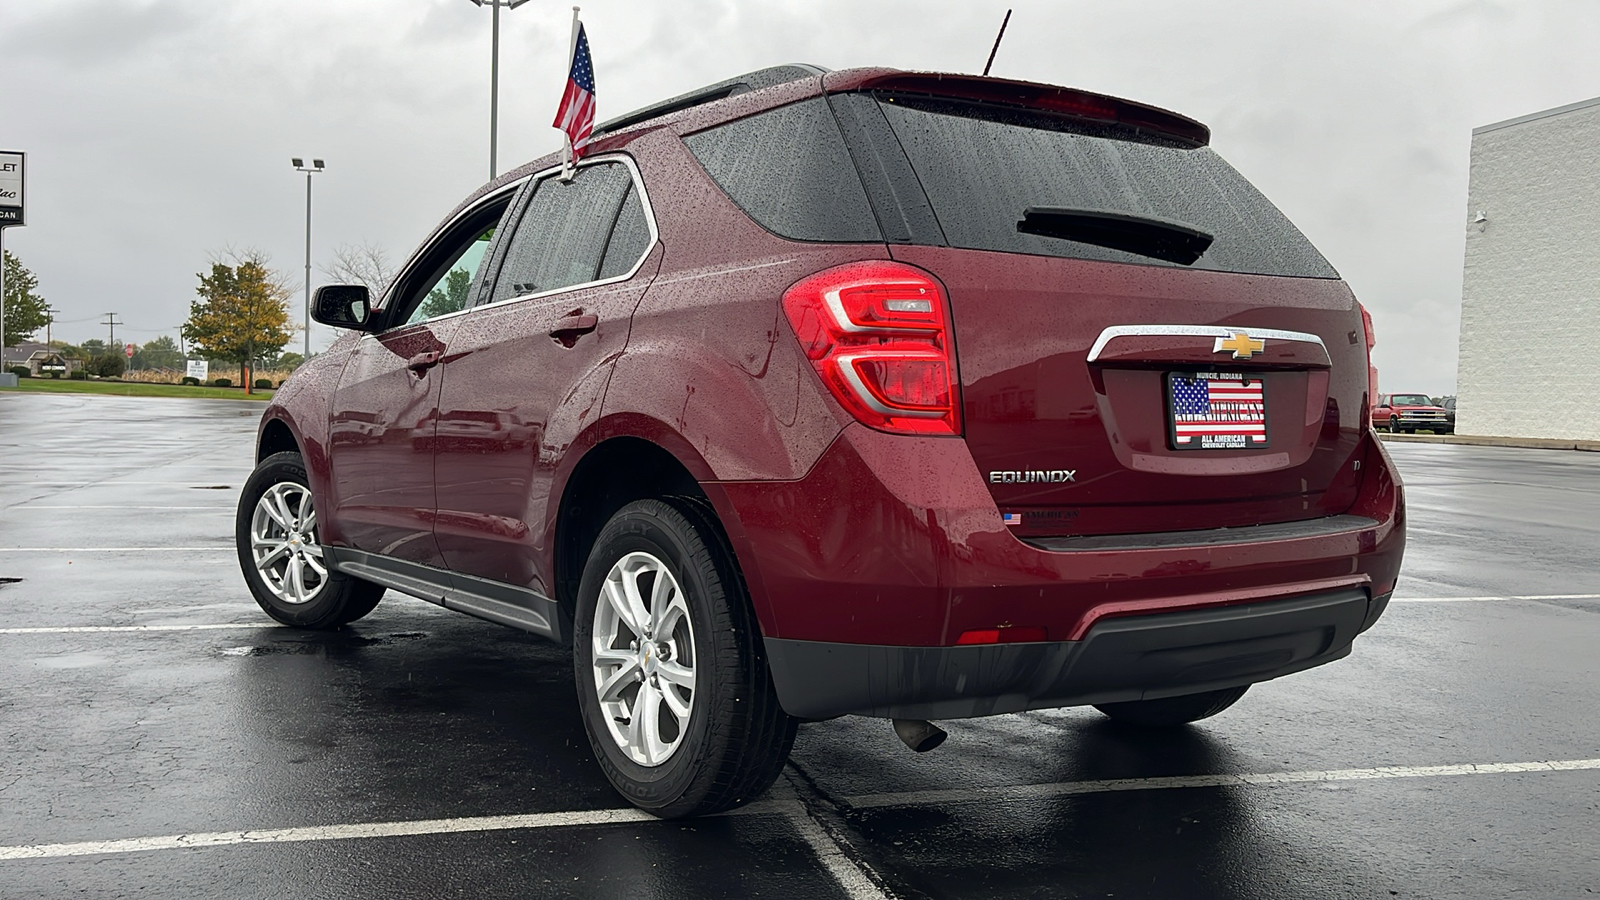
x=505, y=604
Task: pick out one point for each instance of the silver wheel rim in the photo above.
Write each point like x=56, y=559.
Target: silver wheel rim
x=283, y=543
x=643, y=659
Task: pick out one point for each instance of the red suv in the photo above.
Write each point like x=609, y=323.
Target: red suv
x=868, y=392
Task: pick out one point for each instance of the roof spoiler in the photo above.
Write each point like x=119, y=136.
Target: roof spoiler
x=739, y=84
x=1045, y=98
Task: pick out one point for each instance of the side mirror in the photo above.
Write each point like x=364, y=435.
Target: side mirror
x=342, y=306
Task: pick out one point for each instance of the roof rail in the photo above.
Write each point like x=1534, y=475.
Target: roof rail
x=739, y=84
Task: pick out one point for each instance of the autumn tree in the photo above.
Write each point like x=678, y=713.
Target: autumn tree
x=243, y=312
x=25, y=309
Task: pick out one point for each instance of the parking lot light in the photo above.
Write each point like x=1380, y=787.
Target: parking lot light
x=315, y=167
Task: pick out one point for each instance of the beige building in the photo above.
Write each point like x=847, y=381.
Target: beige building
x=1530, y=298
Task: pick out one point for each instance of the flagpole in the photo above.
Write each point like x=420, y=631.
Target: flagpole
x=568, y=163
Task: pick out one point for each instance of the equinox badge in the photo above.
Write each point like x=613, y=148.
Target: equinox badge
x=1033, y=476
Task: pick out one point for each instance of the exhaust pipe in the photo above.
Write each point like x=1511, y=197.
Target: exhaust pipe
x=919, y=734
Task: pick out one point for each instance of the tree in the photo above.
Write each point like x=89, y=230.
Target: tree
x=243, y=312
x=451, y=297
x=362, y=263
x=93, y=347
x=161, y=353
x=25, y=309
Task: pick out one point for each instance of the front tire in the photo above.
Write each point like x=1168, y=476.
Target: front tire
x=1170, y=711
x=281, y=555
x=672, y=676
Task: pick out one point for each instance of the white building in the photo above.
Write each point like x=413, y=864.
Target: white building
x=1530, y=296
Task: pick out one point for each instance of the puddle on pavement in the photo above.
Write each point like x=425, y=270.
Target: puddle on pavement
x=294, y=648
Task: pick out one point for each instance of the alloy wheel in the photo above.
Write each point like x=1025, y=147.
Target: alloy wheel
x=643, y=658
x=284, y=546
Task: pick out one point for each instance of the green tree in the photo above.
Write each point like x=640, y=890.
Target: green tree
x=25, y=309
x=242, y=313
x=161, y=353
x=449, y=297
x=93, y=347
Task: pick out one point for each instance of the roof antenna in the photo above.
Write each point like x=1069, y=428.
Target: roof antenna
x=996, y=47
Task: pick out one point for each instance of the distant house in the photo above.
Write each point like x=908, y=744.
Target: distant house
x=40, y=359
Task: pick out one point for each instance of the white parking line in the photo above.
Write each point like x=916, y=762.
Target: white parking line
x=1483, y=599
x=330, y=833
x=42, y=506
x=116, y=549
x=850, y=876
x=1262, y=779
x=93, y=629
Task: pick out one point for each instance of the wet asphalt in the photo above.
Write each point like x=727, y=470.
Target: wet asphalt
x=118, y=512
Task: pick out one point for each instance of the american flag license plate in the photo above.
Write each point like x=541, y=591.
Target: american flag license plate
x=1216, y=411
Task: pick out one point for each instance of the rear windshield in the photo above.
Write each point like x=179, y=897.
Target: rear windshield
x=984, y=167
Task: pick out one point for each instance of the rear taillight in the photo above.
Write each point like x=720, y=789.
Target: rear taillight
x=1372, y=341
x=878, y=333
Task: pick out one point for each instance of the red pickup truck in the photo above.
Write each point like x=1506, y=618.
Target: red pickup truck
x=1410, y=412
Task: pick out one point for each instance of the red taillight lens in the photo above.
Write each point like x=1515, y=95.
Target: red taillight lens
x=878, y=333
x=1010, y=634
x=1372, y=341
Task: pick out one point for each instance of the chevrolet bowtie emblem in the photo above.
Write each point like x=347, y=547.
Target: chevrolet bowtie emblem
x=1242, y=344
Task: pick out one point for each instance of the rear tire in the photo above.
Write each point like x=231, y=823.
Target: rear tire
x=1394, y=424
x=672, y=675
x=1170, y=711
x=281, y=556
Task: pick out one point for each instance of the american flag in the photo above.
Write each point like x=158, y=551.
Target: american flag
x=1210, y=408
x=575, y=115
x=1012, y=518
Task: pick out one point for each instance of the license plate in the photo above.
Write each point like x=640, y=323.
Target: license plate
x=1215, y=411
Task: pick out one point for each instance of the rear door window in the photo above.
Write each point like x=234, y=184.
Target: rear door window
x=984, y=167
x=564, y=230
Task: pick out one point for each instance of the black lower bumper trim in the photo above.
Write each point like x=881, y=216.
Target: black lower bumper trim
x=1126, y=658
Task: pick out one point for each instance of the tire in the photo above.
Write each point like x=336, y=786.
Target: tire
x=1169, y=711
x=322, y=598
x=675, y=739
x=1394, y=425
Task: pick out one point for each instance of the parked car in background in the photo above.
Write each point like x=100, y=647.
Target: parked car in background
x=870, y=392
x=1449, y=404
x=1410, y=413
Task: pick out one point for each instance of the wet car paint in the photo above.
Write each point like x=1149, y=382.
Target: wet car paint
x=418, y=713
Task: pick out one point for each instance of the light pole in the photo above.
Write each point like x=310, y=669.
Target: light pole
x=315, y=167
x=494, y=77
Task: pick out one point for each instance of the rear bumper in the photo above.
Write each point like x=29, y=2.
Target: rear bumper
x=1125, y=658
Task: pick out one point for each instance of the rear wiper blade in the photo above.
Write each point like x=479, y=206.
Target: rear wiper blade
x=1156, y=238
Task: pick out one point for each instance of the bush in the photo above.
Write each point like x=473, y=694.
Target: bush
x=263, y=384
x=222, y=382
x=190, y=379
x=22, y=371
x=281, y=381
x=108, y=365
x=79, y=375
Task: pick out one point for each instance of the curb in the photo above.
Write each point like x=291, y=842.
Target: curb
x=1488, y=441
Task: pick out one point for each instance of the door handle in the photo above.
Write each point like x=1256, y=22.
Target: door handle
x=422, y=362
x=574, y=325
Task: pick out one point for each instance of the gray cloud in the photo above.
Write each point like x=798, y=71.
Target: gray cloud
x=160, y=130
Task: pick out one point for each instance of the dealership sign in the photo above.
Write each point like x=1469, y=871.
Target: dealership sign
x=10, y=188
x=199, y=369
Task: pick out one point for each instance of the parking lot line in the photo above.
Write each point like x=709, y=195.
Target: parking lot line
x=1507, y=597
x=1259, y=779
x=116, y=549
x=851, y=877
x=43, y=506
x=92, y=629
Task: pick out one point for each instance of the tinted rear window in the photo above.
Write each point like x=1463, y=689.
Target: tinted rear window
x=789, y=170
x=983, y=166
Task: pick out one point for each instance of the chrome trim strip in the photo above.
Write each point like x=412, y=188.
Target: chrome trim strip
x=1211, y=331
x=649, y=217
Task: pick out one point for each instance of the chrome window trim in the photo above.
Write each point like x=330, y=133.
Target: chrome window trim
x=1211, y=331
x=388, y=292
x=649, y=218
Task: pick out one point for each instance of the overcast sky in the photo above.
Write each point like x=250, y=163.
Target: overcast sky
x=159, y=131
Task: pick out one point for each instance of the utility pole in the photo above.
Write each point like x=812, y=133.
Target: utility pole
x=49, y=319
x=315, y=167
x=494, y=78
x=111, y=319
